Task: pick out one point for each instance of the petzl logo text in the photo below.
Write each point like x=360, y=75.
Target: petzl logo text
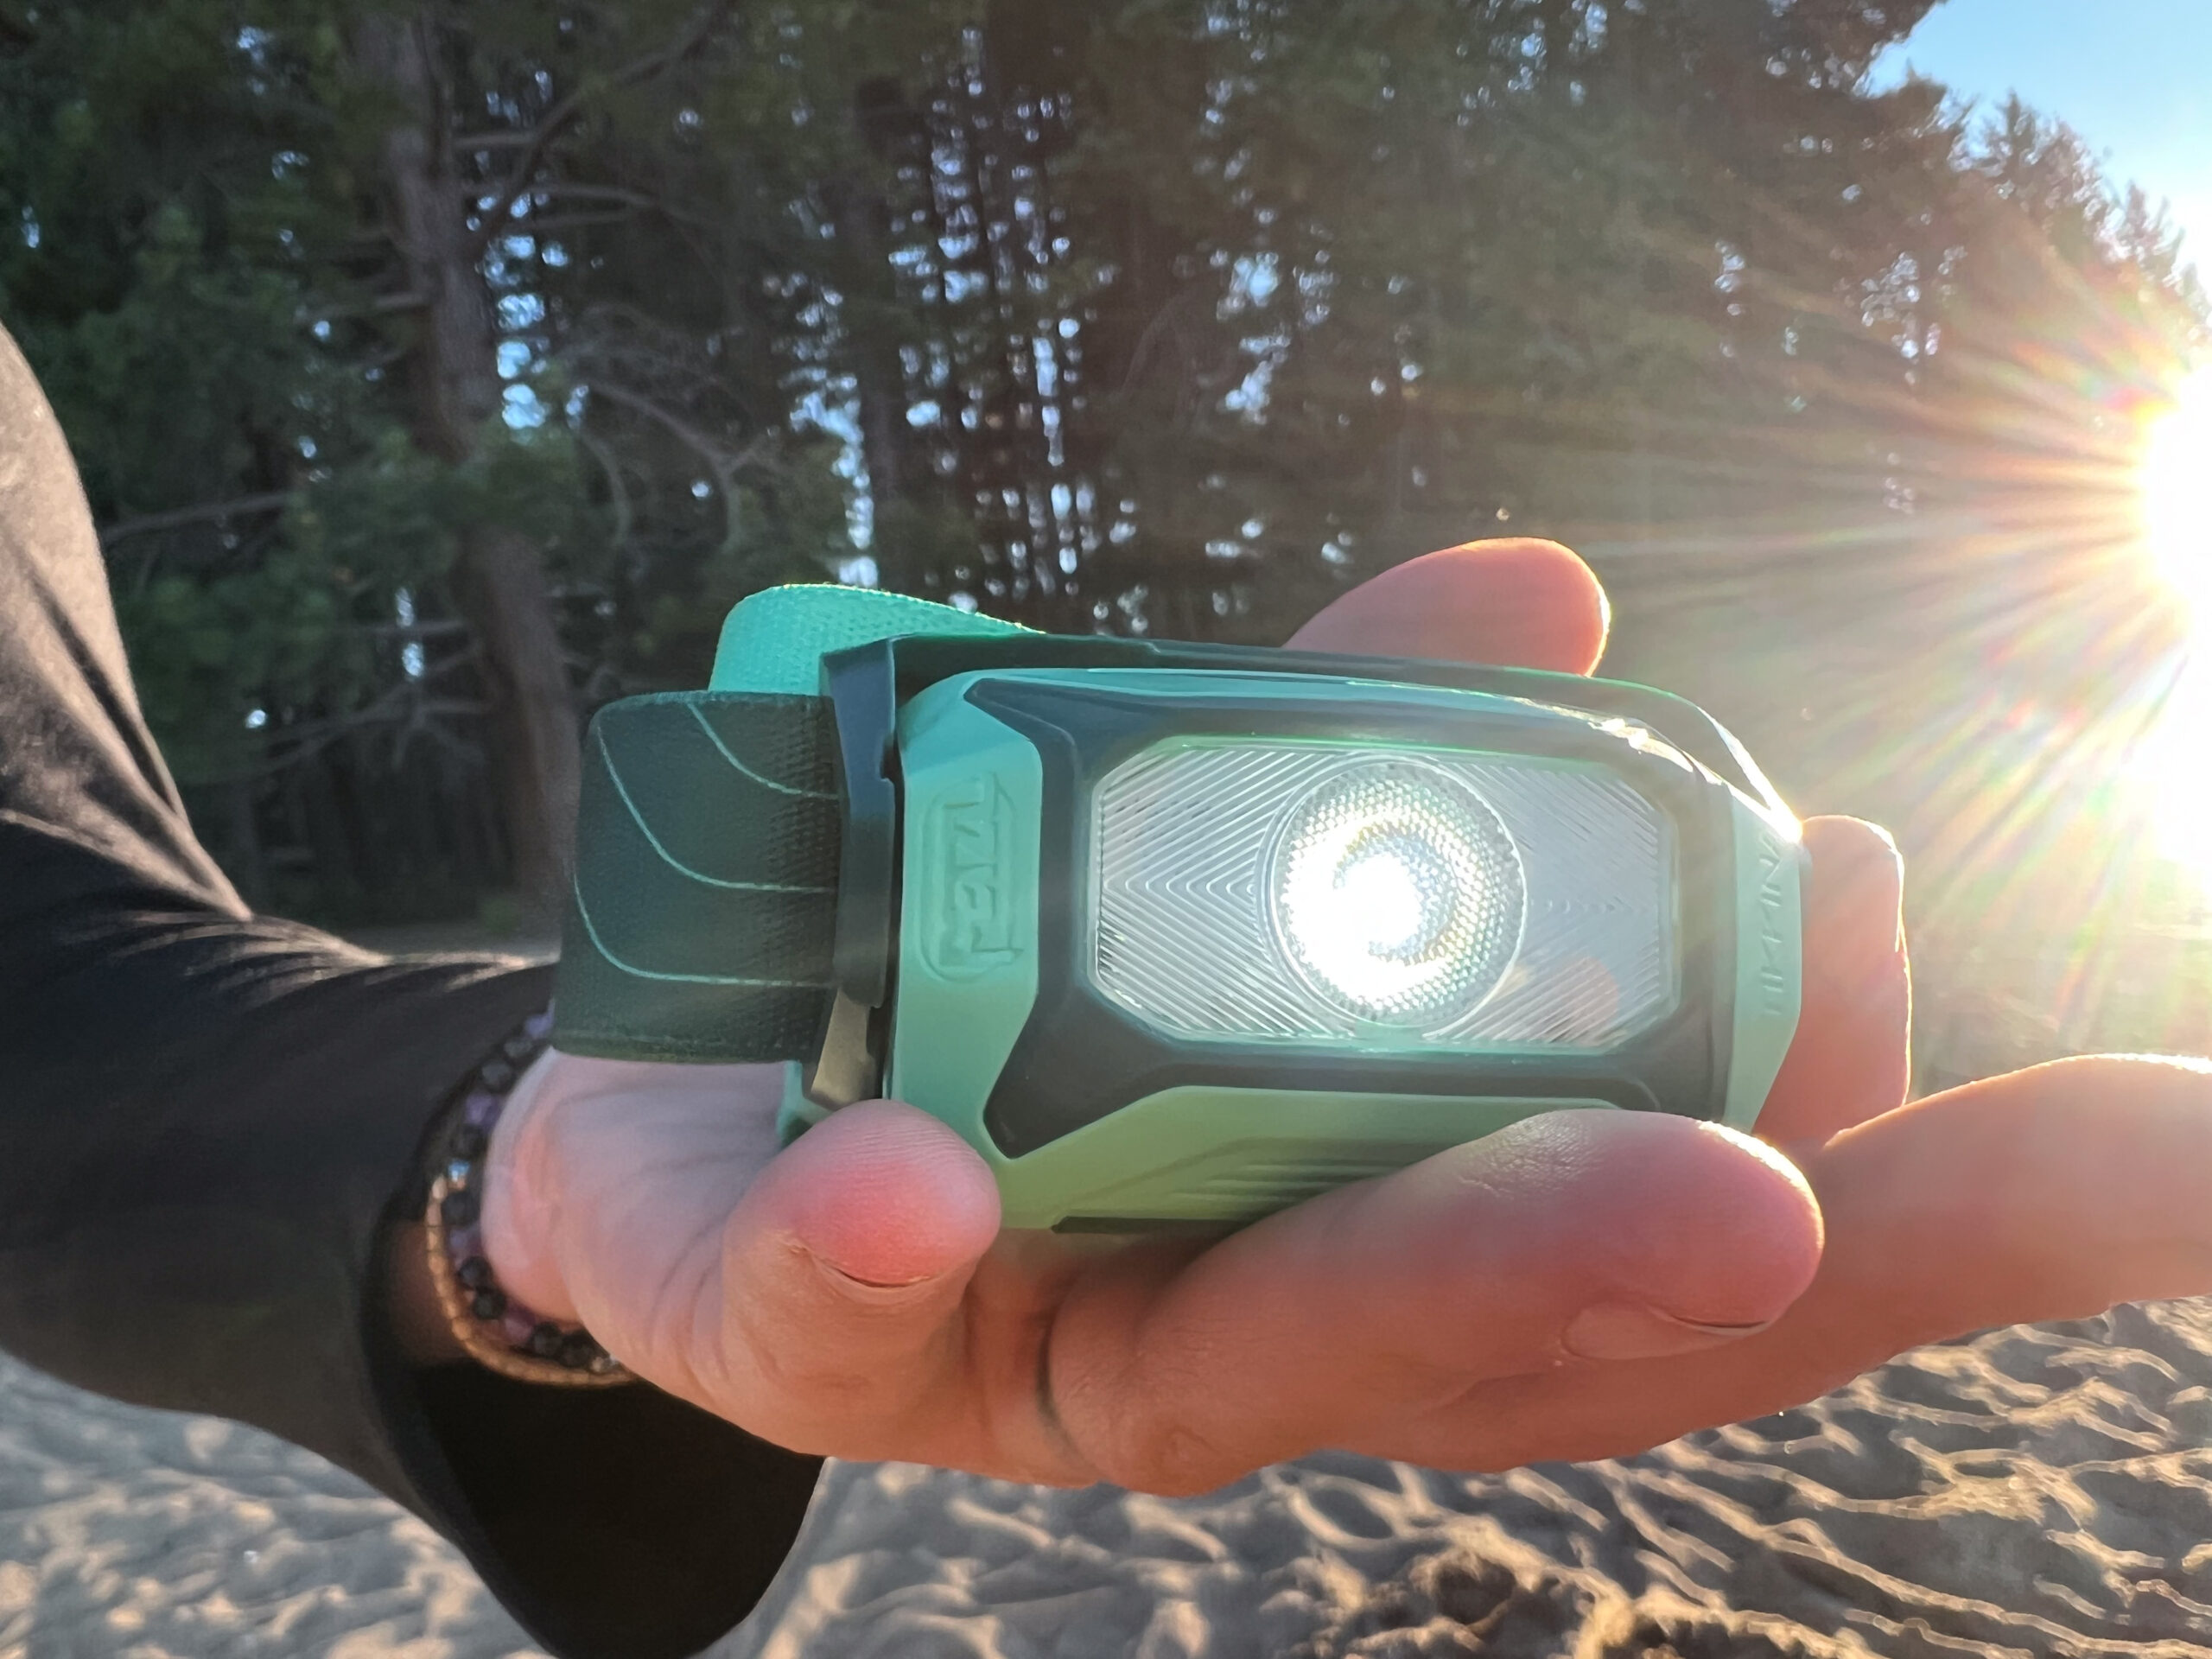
x=973, y=916
x=1775, y=974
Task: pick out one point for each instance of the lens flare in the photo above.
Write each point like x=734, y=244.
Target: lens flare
x=2177, y=492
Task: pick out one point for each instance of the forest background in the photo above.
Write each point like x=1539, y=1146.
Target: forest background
x=438, y=373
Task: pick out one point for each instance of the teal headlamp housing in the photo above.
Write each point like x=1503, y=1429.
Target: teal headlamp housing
x=1177, y=935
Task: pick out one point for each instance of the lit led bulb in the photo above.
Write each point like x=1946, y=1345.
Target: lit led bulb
x=1397, y=894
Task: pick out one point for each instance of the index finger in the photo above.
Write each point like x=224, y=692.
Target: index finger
x=1363, y=1314
x=2052, y=1193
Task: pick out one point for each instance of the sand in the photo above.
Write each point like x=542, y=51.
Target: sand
x=2037, y=1491
x=147, y=1534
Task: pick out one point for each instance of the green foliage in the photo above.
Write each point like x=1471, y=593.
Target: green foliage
x=1172, y=315
x=157, y=277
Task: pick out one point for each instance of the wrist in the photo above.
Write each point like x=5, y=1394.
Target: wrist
x=520, y=1202
x=525, y=1339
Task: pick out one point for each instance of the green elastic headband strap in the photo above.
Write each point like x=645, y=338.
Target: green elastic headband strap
x=702, y=914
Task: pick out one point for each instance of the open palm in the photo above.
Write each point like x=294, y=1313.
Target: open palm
x=1582, y=1285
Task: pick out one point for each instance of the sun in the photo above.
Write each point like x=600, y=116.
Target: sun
x=2176, y=481
x=2175, y=765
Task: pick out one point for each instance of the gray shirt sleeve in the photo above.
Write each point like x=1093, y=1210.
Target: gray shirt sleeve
x=208, y=1120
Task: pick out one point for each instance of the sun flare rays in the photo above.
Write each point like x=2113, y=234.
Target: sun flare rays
x=2174, y=765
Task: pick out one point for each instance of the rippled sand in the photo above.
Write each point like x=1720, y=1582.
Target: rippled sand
x=143, y=1534
x=2036, y=1492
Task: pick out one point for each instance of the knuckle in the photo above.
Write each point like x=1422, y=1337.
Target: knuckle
x=1171, y=1459
x=1147, y=1447
x=828, y=1346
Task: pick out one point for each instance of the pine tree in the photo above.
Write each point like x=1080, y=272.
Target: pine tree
x=438, y=373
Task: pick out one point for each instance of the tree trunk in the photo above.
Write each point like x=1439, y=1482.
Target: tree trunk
x=535, y=765
x=879, y=374
x=500, y=579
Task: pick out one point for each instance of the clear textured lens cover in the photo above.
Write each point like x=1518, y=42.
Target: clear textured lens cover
x=1290, y=890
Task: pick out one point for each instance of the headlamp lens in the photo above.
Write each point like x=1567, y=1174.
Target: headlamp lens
x=1397, y=893
x=1284, y=890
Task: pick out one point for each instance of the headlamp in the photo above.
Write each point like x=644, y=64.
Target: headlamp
x=1175, y=935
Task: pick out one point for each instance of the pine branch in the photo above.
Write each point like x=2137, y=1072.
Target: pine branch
x=725, y=464
x=376, y=305
x=618, y=490
x=563, y=113
x=577, y=221
x=208, y=511
x=615, y=194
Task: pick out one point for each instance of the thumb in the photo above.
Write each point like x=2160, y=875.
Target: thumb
x=842, y=1271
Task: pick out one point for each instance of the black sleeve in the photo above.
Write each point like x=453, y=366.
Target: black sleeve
x=208, y=1120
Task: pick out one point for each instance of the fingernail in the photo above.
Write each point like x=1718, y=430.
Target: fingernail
x=855, y=1284
x=1628, y=1331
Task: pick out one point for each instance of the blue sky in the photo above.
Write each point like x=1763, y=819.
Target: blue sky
x=2133, y=77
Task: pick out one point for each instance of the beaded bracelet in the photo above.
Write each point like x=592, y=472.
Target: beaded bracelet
x=495, y=1329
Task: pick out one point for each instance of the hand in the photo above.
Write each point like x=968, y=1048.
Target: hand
x=1582, y=1284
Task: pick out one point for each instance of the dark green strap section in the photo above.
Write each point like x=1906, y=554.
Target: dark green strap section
x=704, y=913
